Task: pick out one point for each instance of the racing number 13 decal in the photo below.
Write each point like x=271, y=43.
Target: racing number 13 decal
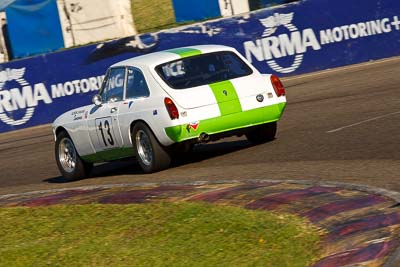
x=107, y=128
x=105, y=131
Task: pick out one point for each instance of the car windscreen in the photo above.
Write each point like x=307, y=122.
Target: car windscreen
x=203, y=69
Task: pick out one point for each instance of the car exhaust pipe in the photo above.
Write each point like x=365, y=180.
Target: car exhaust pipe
x=204, y=138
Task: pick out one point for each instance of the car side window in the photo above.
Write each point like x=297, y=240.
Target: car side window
x=113, y=90
x=136, y=85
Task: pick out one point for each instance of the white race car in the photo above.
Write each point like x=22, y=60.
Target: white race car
x=152, y=105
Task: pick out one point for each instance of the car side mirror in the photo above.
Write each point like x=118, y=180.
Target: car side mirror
x=97, y=100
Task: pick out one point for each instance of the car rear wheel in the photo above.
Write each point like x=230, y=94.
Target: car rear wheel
x=151, y=155
x=70, y=164
x=263, y=133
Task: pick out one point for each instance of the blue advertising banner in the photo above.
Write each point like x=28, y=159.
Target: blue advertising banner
x=296, y=38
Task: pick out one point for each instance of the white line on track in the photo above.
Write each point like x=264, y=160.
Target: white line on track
x=361, y=122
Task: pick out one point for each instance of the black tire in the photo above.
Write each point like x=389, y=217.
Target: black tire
x=66, y=154
x=262, y=134
x=150, y=154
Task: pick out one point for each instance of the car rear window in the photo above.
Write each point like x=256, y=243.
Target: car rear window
x=203, y=69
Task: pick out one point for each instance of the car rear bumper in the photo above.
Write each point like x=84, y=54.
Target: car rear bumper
x=226, y=123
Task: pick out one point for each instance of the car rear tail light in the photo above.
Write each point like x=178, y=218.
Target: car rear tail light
x=171, y=108
x=278, y=86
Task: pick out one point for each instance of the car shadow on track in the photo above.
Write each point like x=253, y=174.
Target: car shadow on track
x=208, y=151
x=201, y=152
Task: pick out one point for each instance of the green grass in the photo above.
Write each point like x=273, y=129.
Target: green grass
x=153, y=15
x=163, y=234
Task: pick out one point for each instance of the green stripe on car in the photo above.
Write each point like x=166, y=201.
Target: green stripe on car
x=184, y=52
x=227, y=98
x=112, y=154
x=229, y=122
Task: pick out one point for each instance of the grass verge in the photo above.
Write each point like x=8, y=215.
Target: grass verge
x=153, y=15
x=162, y=234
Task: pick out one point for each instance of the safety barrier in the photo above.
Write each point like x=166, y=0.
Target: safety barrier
x=297, y=38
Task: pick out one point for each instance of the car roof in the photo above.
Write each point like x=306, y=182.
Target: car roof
x=156, y=58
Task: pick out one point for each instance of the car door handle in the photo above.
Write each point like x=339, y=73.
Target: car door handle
x=113, y=109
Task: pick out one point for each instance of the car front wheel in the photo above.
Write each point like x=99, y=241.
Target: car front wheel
x=70, y=164
x=151, y=155
x=263, y=133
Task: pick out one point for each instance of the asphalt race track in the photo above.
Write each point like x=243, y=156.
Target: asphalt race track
x=340, y=125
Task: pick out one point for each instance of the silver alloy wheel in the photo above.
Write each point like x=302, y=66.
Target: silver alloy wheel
x=144, y=148
x=67, y=155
